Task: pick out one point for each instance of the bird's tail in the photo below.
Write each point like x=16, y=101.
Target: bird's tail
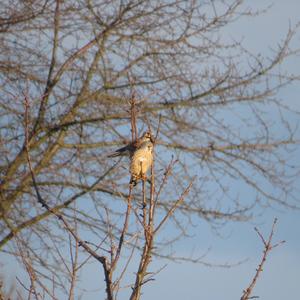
x=114, y=154
x=120, y=152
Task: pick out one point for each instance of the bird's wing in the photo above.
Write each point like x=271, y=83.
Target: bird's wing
x=123, y=151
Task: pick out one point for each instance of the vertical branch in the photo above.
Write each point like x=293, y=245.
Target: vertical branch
x=110, y=235
x=148, y=236
x=144, y=205
x=133, y=113
x=267, y=248
x=74, y=262
x=117, y=282
x=151, y=200
x=124, y=229
x=50, y=83
x=74, y=272
x=129, y=198
x=142, y=270
x=26, y=126
x=55, y=41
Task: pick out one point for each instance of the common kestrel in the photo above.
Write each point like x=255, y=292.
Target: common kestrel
x=141, y=156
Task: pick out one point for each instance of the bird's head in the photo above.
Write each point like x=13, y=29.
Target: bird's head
x=147, y=136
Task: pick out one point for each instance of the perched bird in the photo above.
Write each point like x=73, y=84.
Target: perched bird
x=141, y=161
x=133, y=146
x=141, y=156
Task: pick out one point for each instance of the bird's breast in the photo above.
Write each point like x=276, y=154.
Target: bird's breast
x=140, y=162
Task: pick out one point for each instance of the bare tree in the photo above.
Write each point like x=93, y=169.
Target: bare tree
x=76, y=65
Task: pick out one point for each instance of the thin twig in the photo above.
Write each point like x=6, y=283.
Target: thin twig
x=165, y=178
x=175, y=205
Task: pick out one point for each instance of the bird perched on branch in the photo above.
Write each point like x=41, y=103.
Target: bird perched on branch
x=141, y=156
x=141, y=161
